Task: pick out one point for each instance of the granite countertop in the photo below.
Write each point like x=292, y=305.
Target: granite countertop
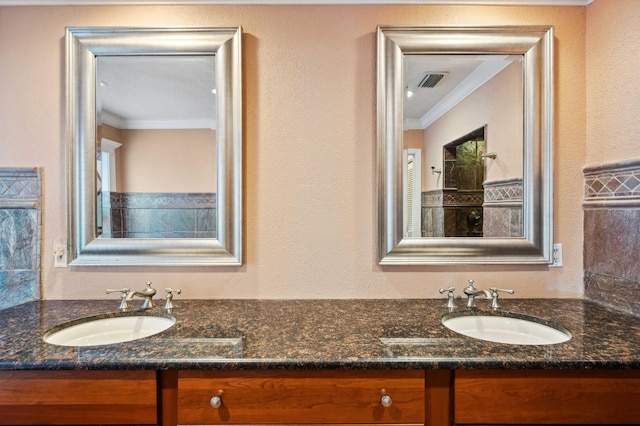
x=320, y=334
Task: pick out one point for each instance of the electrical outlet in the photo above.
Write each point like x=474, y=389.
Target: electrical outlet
x=556, y=256
x=60, y=255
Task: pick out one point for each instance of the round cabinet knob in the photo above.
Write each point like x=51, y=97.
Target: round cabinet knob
x=386, y=400
x=216, y=401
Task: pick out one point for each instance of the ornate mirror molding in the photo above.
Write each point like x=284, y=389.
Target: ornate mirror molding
x=88, y=245
x=533, y=46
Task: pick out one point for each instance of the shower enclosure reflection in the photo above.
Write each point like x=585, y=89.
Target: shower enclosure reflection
x=450, y=104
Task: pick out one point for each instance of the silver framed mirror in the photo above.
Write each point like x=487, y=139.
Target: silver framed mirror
x=532, y=48
x=91, y=242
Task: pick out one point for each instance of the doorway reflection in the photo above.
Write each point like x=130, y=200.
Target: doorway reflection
x=463, y=193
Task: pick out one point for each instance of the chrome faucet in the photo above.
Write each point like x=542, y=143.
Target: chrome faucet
x=450, y=297
x=147, y=293
x=472, y=292
x=123, y=297
x=168, y=306
x=494, y=295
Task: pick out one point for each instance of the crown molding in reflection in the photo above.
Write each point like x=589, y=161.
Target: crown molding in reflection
x=478, y=77
x=123, y=123
x=292, y=2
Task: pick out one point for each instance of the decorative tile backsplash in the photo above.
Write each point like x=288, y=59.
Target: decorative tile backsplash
x=20, y=235
x=503, y=209
x=500, y=191
x=161, y=215
x=612, y=180
x=611, y=244
x=499, y=204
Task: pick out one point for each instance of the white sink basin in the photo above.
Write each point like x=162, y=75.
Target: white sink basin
x=104, y=329
x=514, y=330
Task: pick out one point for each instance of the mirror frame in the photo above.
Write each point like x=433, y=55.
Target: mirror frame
x=83, y=45
x=535, y=44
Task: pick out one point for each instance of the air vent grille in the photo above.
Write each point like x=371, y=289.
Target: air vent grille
x=430, y=79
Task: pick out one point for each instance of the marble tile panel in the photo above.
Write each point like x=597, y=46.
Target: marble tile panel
x=516, y=224
x=611, y=242
x=116, y=221
x=18, y=287
x=185, y=234
x=160, y=221
x=136, y=220
x=613, y=292
x=205, y=220
x=20, y=234
x=206, y=234
x=184, y=220
x=18, y=239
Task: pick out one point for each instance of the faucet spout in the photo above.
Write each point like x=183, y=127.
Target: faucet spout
x=472, y=292
x=147, y=293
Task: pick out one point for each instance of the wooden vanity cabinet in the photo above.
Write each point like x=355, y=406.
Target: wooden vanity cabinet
x=546, y=397
x=297, y=397
x=78, y=397
x=430, y=397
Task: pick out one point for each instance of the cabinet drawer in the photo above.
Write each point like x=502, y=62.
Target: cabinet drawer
x=547, y=397
x=78, y=397
x=301, y=397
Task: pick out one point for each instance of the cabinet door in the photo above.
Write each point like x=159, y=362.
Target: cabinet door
x=547, y=397
x=301, y=397
x=77, y=397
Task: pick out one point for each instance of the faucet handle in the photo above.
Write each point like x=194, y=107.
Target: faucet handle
x=494, y=295
x=124, y=292
x=169, y=304
x=450, y=296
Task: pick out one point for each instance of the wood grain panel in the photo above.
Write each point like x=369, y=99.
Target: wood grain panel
x=77, y=397
x=301, y=397
x=167, y=398
x=438, y=398
x=547, y=397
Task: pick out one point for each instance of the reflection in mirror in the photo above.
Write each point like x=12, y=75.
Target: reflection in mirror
x=466, y=114
x=446, y=97
x=154, y=146
x=152, y=111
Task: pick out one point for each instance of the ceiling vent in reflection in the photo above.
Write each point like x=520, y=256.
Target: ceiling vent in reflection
x=430, y=79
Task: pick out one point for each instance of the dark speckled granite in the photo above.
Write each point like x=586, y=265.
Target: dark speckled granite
x=321, y=334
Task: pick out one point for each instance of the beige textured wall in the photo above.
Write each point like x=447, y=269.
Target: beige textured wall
x=167, y=160
x=309, y=126
x=613, y=86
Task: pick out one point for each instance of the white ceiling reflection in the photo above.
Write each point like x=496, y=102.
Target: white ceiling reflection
x=463, y=74
x=156, y=92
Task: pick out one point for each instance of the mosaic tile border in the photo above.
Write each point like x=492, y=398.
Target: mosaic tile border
x=440, y=198
x=503, y=191
x=463, y=198
x=432, y=198
x=20, y=188
x=163, y=200
x=613, y=184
